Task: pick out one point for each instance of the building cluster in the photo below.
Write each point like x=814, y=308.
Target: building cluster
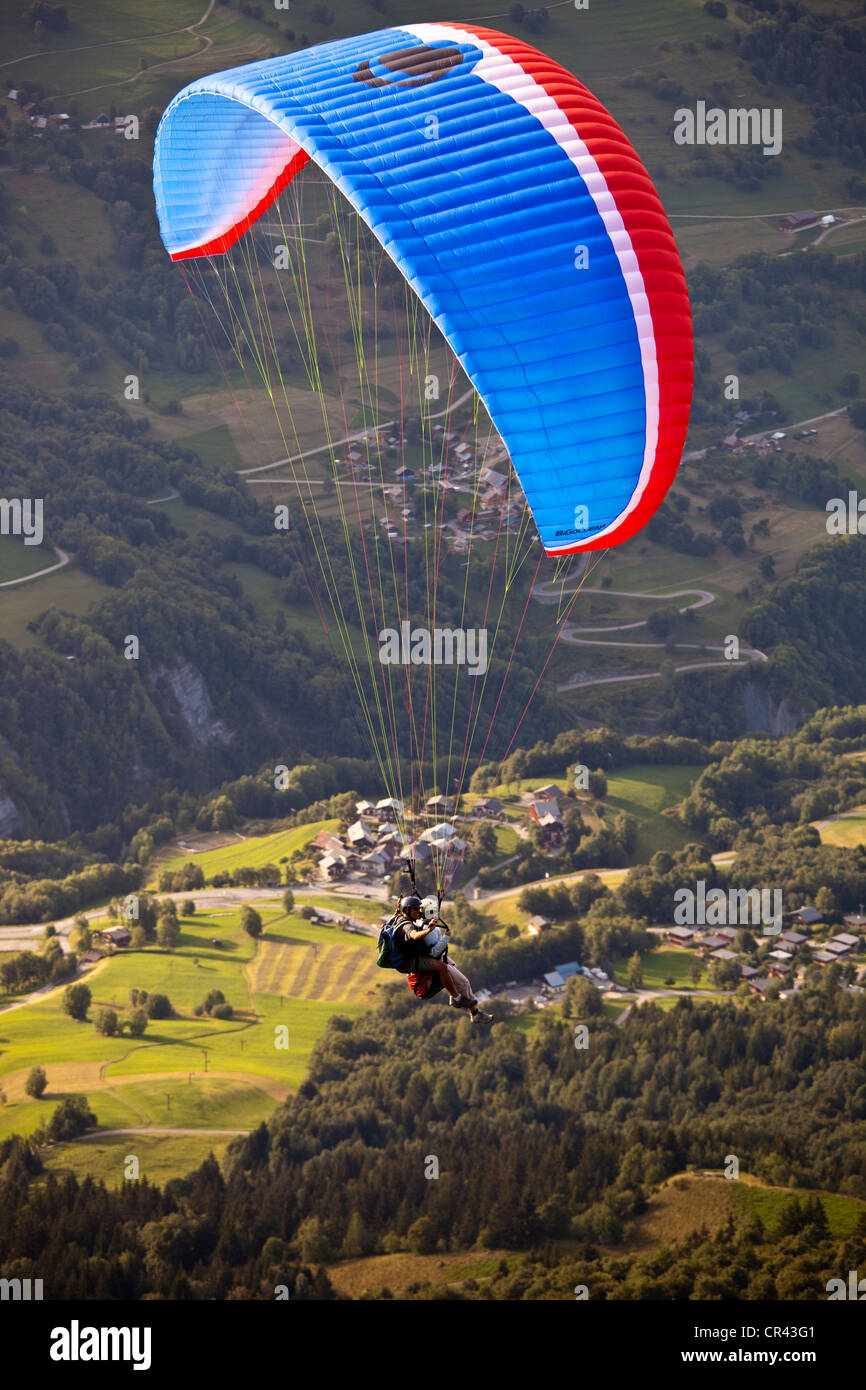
x=387, y=836
x=461, y=464
x=779, y=964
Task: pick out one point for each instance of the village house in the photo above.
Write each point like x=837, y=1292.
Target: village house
x=365, y=808
x=566, y=971
x=823, y=957
x=487, y=808
x=855, y=921
x=681, y=936
x=417, y=852
x=761, y=986
x=778, y=968
x=440, y=833
x=389, y=809
x=714, y=942
x=117, y=936
x=327, y=841
x=806, y=916
x=376, y=864
x=837, y=947
x=333, y=866
x=359, y=836
x=537, y=925
x=547, y=817
x=722, y=954
x=553, y=982
x=794, y=939
x=439, y=805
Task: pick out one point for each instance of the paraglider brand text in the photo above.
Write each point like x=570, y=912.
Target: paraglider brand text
x=22, y=517
x=736, y=127
x=443, y=646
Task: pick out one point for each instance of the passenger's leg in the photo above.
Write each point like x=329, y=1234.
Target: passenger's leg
x=440, y=968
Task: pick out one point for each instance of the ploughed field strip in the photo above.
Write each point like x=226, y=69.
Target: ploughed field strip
x=297, y=969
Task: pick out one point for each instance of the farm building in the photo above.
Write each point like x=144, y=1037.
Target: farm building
x=796, y=221
x=118, y=936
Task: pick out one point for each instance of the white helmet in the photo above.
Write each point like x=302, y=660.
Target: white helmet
x=430, y=905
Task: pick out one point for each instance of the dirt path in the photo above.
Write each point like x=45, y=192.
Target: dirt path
x=154, y=67
x=63, y=559
x=152, y=1129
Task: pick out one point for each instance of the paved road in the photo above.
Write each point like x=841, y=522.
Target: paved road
x=366, y=434
x=548, y=592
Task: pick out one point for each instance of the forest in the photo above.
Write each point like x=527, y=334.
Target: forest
x=543, y=1148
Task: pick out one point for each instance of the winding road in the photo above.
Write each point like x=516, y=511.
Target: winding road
x=548, y=592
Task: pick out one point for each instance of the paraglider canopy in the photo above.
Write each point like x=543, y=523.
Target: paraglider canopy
x=516, y=209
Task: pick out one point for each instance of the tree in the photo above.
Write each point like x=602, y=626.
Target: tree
x=422, y=1236
x=71, y=1118
x=355, y=1241
x=313, y=1242
x=251, y=922
x=824, y=899
x=188, y=908
x=105, y=1021
x=158, y=1006
x=80, y=936
x=635, y=971
x=76, y=1001
x=137, y=1022
x=582, y=999
x=167, y=932
x=36, y=1082
x=288, y=900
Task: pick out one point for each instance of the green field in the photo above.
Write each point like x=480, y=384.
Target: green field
x=69, y=589
x=188, y=1072
x=160, y=1156
x=17, y=559
x=661, y=963
x=198, y=1102
x=848, y=832
x=645, y=789
x=254, y=852
x=842, y=1213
